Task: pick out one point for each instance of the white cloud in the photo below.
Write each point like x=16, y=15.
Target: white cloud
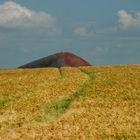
x=129, y=20
x=92, y=29
x=24, y=50
x=15, y=15
x=84, y=31
x=81, y=31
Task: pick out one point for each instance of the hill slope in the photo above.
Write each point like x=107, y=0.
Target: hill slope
x=63, y=59
x=70, y=103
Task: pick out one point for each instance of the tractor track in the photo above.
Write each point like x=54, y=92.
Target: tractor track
x=58, y=107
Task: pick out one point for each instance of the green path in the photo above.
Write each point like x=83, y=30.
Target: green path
x=59, y=107
x=31, y=104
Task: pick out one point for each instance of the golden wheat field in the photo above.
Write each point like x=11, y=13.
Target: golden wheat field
x=86, y=103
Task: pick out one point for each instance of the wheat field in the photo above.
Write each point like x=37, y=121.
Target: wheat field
x=85, y=103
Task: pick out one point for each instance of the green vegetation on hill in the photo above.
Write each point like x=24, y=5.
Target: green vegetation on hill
x=70, y=103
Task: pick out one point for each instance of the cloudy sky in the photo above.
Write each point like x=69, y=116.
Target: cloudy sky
x=104, y=32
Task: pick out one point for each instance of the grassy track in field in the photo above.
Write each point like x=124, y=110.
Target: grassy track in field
x=59, y=107
x=70, y=103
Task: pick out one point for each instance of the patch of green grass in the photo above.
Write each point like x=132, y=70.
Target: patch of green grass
x=7, y=73
x=59, y=107
x=61, y=72
x=9, y=100
x=56, y=108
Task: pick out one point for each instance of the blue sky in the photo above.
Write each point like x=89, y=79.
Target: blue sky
x=103, y=32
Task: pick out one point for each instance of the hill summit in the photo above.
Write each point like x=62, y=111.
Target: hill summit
x=62, y=59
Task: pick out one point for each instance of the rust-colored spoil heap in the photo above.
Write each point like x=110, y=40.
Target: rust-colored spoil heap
x=63, y=59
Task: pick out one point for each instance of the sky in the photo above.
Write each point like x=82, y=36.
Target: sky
x=102, y=32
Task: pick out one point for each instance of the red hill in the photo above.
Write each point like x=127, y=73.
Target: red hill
x=63, y=59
